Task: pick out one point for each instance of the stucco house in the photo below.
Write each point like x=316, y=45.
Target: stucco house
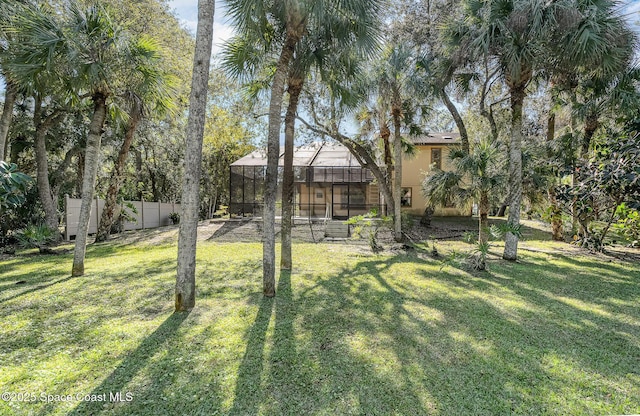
x=329, y=182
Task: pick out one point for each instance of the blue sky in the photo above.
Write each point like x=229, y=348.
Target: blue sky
x=187, y=11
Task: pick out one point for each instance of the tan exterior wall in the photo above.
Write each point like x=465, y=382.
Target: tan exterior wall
x=414, y=170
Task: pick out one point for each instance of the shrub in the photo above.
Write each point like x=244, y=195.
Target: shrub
x=36, y=236
x=628, y=224
x=175, y=218
x=470, y=237
x=370, y=224
x=13, y=185
x=477, y=259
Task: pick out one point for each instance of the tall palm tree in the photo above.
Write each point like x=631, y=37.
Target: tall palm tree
x=320, y=51
x=45, y=87
x=86, y=52
x=511, y=32
x=280, y=27
x=151, y=92
x=190, y=203
x=254, y=20
x=396, y=81
x=589, y=58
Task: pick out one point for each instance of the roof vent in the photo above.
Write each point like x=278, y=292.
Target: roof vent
x=447, y=137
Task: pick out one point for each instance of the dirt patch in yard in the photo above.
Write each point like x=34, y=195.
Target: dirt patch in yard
x=441, y=229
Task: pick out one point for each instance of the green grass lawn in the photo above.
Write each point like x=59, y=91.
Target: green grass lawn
x=348, y=333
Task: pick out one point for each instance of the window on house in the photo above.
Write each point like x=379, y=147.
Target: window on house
x=436, y=158
x=405, y=197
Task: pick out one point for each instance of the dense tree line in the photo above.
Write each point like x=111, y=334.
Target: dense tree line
x=96, y=94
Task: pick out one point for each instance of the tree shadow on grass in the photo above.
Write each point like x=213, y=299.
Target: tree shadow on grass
x=160, y=376
x=572, y=315
x=31, y=289
x=317, y=372
x=249, y=385
x=456, y=348
x=118, y=380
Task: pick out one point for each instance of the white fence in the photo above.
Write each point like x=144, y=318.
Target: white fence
x=149, y=215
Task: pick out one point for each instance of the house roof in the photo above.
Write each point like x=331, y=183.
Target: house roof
x=325, y=154
x=436, y=138
x=315, y=154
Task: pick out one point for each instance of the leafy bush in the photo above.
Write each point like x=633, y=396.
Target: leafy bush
x=477, y=259
x=605, y=182
x=370, y=224
x=19, y=203
x=36, y=236
x=13, y=186
x=175, y=218
x=628, y=224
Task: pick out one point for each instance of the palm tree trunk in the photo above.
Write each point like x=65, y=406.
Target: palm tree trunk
x=80, y=171
x=397, y=180
x=49, y=204
x=188, y=232
x=590, y=126
x=91, y=160
x=389, y=196
x=483, y=211
x=556, y=212
x=557, y=232
x=271, y=176
x=106, y=220
x=44, y=187
x=515, y=172
x=385, y=135
x=502, y=209
x=10, y=95
x=295, y=88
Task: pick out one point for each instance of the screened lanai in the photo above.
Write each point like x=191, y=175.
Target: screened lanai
x=328, y=183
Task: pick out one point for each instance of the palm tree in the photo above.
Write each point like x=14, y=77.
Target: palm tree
x=317, y=50
x=477, y=175
x=190, y=203
x=86, y=52
x=589, y=59
x=253, y=19
x=152, y=88
x=397, y=81
x=512, y=33
x=279, y=27
x=45, y=87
